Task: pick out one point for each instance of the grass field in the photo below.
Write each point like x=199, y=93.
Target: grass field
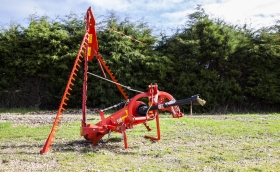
x=192, y=143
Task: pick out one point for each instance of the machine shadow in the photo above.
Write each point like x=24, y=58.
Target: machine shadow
x=28, y=149
x=114, y=145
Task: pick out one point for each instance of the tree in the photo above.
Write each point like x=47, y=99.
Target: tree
x=262, y=83
x=200, y=56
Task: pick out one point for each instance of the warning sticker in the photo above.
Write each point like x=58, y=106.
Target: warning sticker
x=90, y=38
x=89, y=51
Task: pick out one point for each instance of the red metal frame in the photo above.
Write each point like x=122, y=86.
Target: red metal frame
x=127, y=117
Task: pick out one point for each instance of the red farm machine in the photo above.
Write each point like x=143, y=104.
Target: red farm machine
x=134, y=111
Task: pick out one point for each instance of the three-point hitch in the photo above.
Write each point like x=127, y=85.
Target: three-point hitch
x=137, y=112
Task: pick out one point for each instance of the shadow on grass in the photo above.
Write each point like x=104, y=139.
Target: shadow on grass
x=29, y=149
x=114, y=145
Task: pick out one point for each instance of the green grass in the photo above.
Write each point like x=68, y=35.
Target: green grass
x=192, y=143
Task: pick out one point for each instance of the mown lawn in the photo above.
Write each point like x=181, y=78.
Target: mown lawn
x=192, y=143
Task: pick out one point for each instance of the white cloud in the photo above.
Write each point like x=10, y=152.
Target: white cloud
x=175, y=18
x=116, y=5
x=157, y=12
x=258, y=13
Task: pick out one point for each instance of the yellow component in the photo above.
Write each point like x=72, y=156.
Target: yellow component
x=126, y=112
x=123, y=118
x=150, y=104
x=89, y=51
x=89, y=38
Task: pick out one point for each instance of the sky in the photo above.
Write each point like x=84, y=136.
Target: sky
x=161, y=14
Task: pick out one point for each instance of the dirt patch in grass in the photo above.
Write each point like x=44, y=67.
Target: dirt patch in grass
x=35, y=119
x=45, y=117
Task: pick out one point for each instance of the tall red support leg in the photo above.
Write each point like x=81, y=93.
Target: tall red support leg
x=124, y=137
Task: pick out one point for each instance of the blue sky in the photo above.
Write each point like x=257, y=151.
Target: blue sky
x=158, y=13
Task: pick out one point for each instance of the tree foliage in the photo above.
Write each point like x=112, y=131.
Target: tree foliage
x=233, y=67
